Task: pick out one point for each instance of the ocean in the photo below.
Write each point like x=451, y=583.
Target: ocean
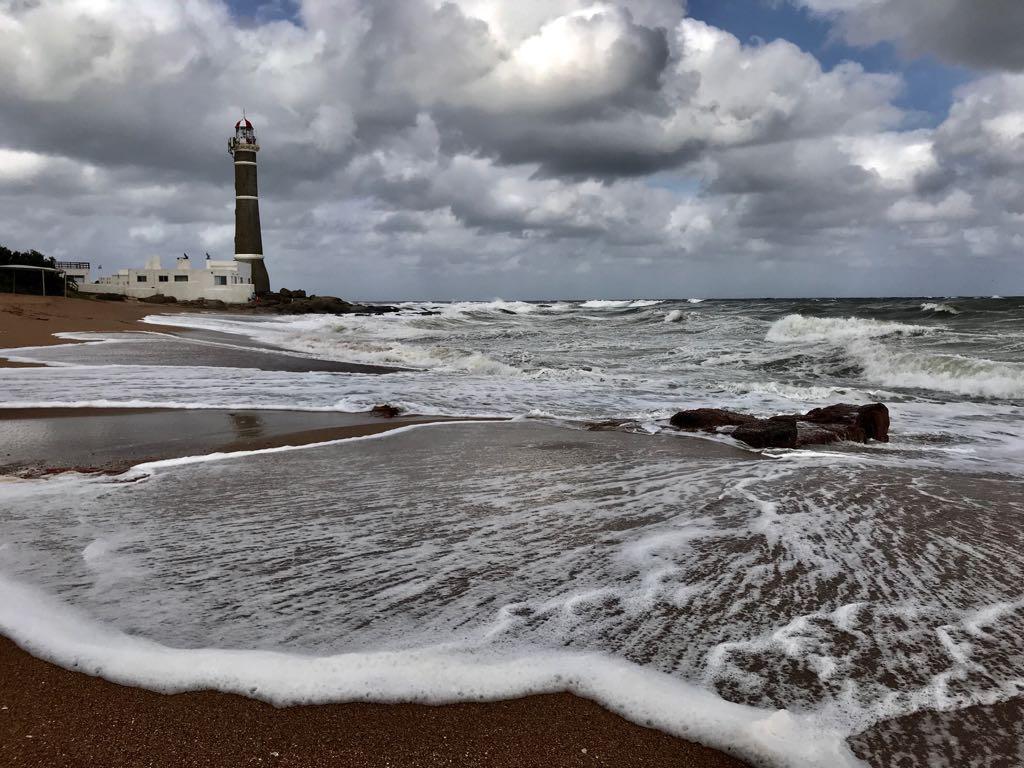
x=848, y=605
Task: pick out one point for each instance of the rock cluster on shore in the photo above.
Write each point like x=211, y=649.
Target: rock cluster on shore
x=286, y=302
x=283, y=302
x=820, y=426
x=197, y=303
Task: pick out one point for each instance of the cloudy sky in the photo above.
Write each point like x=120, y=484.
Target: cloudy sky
x=529, y=148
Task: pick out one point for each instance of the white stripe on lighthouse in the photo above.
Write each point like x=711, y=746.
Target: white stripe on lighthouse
x=246, y=197
x=244, y=162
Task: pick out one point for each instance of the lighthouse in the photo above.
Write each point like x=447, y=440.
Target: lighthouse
x=248, y=238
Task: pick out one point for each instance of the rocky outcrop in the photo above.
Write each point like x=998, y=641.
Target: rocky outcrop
x=286, y=302
x=158, y=299
x=386, y=411
x=834, y=423
x=709, y=419
x=860, y=423
x=776, y=432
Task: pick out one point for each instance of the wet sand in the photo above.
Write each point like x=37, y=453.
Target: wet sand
x=31, y=321
x=40, y=441
x=55, y=718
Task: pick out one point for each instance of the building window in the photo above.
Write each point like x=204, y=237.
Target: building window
x=220, y=280
x=181, y=278
x=140, y=278
x=162, y=278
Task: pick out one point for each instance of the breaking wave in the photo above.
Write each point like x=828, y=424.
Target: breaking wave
x=961, y=375
x=498, y=305
x=674, y=316
x=629, y=304
x=862, y=341
x=800, y=328
x=931, y=306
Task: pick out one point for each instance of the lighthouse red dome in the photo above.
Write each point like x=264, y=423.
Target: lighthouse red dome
x=243, y=123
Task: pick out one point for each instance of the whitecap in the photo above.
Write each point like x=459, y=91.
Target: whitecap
x=931, y=306
x=801, y=328
x=942, y=372
x=619, y=304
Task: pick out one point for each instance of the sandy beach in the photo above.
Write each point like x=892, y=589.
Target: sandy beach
x=31, y=321
x=54, y=717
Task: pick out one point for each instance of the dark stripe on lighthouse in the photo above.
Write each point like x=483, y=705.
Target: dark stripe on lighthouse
x=247, y=227
x=245, y=180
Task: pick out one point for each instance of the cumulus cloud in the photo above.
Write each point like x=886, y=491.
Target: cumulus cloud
x=481, y=147
x=984, y=34
x=956, y=205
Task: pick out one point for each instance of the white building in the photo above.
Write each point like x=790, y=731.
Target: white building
x=228, y=281
x=79, y=271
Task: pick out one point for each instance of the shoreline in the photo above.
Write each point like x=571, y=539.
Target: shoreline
x=55, y=717
x=51, y=716
x=30, y=322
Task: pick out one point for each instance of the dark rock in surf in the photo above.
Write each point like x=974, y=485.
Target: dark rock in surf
x=821, y=426
x=318, y=305
x=776, y=432
x=709, y=419
x=386, y=411
x=859, y=423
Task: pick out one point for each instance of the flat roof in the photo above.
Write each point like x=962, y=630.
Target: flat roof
x=29, y=266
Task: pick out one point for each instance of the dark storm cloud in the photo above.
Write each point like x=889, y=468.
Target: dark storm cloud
x=616, y=148
x=401, y=222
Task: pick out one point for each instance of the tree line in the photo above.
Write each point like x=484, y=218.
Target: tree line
x=29, y=281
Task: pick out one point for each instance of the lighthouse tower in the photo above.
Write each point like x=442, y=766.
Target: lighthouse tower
x=248, y=238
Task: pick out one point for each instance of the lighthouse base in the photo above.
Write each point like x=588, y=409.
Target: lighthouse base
x=260, y=276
